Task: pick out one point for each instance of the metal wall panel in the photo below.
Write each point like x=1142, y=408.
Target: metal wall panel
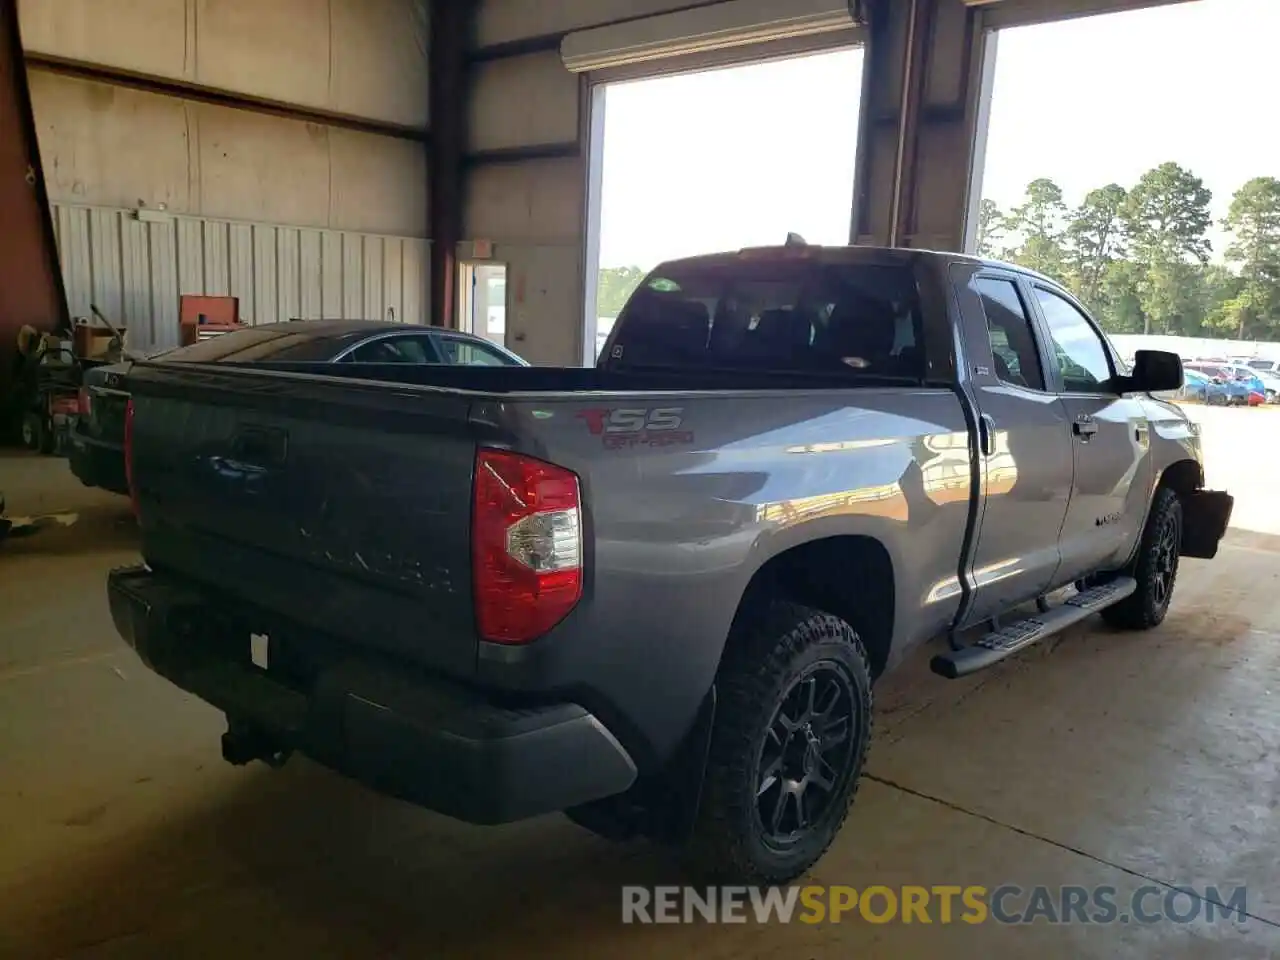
x=134, y=271
x=111, y=147
x=531, y=202
x=523, y=101
x=360, y=58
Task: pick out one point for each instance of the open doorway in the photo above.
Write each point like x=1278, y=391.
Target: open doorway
x=1150, y=183
x=482, y=300
x=717, y=160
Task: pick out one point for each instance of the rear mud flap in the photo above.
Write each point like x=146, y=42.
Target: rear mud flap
x=1205, y=515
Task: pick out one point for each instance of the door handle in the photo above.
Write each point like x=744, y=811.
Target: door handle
x=1084, y=427
x=987, y=435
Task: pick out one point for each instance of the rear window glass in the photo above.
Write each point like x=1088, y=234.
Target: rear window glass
x=774, y=315
x=282, y=343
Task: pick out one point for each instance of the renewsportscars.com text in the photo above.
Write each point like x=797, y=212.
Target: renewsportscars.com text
x=1006, y=904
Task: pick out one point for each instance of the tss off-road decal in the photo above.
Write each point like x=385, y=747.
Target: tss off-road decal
x=637, y=426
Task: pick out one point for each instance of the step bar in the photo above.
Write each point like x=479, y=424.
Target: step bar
x=1008, y=640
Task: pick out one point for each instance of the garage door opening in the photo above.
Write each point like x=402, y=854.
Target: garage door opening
x=1149, y=184
x=718, y=160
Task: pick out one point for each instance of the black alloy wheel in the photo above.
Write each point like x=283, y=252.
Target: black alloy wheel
x=791, y=731
x=807, y=756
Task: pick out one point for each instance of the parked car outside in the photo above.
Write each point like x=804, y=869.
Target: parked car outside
x=97, y=438
x=1259, y=381
x=1199, y=388
x=1240, y=392
x=1271, y=384
x=1265, y=366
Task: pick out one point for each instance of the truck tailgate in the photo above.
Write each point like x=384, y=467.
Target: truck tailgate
x=337, y=508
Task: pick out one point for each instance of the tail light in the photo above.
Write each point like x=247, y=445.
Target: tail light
x=84, y=402
x=526, y=541
x=128, y=456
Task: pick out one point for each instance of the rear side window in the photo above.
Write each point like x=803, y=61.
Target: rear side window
x=394, y=350
x=774, y=315
x=1013, y=345
x=469, y=354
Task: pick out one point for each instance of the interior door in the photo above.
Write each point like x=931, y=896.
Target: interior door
x=482, y=300
x=1025, y=447
x=1110, y=440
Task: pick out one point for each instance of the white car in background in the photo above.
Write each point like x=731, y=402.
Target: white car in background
x=1271, y=367
x=1271, y=381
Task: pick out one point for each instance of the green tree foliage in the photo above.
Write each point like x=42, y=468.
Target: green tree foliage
x=1139, y=257
x=991, y=230
x=613, y=287
x=1167, y=216
x=1254, y=222
x=1096, y=236
x=1038, y=226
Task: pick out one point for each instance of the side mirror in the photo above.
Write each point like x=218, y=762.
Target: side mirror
x=1155, y=371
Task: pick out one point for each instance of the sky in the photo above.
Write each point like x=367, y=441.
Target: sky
x=730, y=158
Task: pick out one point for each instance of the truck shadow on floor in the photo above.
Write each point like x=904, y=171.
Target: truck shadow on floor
x=302, y=855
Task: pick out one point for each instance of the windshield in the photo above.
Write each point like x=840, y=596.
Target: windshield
x=774, y=315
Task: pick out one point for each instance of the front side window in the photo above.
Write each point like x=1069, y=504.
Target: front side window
x=1013, y=347
x=1079, y=351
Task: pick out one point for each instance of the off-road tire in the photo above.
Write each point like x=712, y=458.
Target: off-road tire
x=1155, y=564
x=766, y=660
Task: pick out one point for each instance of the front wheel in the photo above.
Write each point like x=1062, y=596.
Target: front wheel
x=1155, y=568
x=787, y=748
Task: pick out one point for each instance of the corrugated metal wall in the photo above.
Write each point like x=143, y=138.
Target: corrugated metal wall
x=135, y=270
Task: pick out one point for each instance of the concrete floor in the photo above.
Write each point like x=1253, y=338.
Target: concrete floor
x=1099, y=759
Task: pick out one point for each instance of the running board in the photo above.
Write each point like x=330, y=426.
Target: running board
x=1007, y=641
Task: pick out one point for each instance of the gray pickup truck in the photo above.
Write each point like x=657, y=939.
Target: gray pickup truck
x=655, y=594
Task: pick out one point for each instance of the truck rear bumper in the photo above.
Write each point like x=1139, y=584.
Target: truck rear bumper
x=97, y=463
x=440, y=745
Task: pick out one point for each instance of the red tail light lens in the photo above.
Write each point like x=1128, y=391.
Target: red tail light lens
x=526, y=541
x=128, y=456
x=84, y=403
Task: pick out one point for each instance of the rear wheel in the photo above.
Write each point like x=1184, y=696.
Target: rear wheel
x=790, y=736
x=1155, y=568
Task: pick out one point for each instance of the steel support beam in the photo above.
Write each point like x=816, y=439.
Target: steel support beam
x=921, y=121
x=231, y=100
x=451, y=27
